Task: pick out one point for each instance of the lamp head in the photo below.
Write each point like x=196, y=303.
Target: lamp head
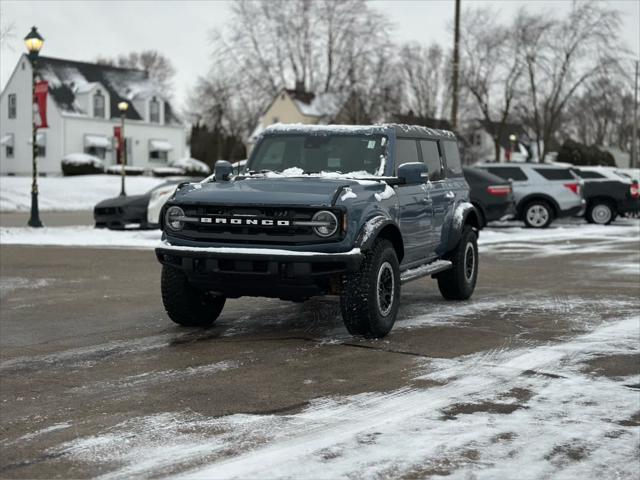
x=123, y=106
x=33, y=41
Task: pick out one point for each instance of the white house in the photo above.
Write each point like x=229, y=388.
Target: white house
x=299, y=106
x=481, y=146
x=82, y=113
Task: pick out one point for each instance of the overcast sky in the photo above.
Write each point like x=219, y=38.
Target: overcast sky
x=83, y=30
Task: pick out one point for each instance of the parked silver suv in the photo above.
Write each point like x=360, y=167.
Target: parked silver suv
x=542, y=192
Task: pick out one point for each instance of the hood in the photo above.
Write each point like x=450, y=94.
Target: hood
x=302, y=191
x=124, y=201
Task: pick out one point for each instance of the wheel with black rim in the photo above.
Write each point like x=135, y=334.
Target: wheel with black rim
x=371, y=296
x=459, y=282
x=600, y=212
x=538, y=214
x=185, y=304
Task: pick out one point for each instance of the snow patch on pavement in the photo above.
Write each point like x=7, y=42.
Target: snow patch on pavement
x=9, y=284
x=153, y=378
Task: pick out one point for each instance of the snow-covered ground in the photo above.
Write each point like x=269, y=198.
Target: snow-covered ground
x=80, y=192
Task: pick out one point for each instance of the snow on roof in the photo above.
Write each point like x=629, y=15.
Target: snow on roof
x=322, y=105
x=305, y=128
x=401, y=129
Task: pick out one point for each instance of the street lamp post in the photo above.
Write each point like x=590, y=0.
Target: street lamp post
x=123, y=106
x=34, y=43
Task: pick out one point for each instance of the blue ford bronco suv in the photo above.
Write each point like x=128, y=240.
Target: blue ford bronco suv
x=353, y=211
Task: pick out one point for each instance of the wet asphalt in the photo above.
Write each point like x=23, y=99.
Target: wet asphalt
x=85, y=343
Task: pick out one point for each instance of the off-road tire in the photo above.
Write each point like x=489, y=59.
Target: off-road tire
x=543, y=208
x=362, y=312
x=185, y=304
x=600, y=212
x=458, y=283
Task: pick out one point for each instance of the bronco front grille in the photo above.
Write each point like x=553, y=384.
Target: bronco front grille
x=252, y=234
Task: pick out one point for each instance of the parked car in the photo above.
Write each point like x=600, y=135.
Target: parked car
x=542, y=192
x=608, y=193
x=340, y=210
x=131, y=211
x=491, y=195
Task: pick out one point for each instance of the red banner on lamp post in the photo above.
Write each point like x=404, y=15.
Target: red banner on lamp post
x=117, y=133
x=40, y=104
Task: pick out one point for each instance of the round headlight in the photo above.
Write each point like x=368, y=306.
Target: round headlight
x=330, y=223
x=173, y=218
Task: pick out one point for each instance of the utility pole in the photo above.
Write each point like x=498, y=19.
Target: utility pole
x=634, y=147
x=456, y=67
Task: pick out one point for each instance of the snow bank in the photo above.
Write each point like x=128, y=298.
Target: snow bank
x=68, y=193
x=81, y=236
x=77, y=159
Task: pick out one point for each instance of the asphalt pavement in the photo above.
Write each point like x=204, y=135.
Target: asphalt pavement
x=87, y=353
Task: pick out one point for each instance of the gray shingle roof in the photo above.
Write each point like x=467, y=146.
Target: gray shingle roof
x=67, y=78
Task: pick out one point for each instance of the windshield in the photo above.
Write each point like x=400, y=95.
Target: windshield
x=313, y=154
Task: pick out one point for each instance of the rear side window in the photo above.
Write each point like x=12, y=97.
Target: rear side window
x=452, y=157
x=406, y=151
x=555, y=173
x=588, y=175
x=509, y=173
x=431, y=157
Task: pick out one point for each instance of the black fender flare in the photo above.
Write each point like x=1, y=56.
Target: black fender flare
x=464, y=213
x=537, y=196
x=371, y=230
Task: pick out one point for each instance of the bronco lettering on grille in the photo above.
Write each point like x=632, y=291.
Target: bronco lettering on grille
x=264, y=222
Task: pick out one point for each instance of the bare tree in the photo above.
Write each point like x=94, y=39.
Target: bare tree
x=7, y=31
x=561, y=56
x=158, y=66
x=491, y=68
x=423, y=83
x=323, y=45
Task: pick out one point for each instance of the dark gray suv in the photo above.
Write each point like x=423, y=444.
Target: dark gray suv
x=353, y=211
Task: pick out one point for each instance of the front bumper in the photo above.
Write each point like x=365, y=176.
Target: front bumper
x=264, y=272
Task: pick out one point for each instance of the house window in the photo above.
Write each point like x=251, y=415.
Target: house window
x=154, y=111
x=159, y=155
x=98, y=105
x=12, y=105
x=7, y=143
x=99, y=152
x=159, y=150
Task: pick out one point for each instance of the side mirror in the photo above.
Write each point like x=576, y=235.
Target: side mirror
x=223, y=171
x=413, y=173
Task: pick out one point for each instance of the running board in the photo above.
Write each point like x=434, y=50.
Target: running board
x=424, y=270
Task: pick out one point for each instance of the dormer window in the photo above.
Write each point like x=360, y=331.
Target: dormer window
x=154, y=111
x=98, y=105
